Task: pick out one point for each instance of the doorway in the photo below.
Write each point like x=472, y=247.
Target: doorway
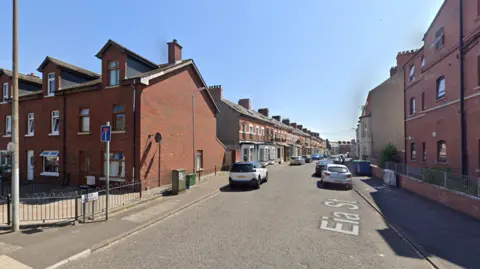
x=30, y=165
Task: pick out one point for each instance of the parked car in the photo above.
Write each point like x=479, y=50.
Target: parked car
x=335, y=159
x=321, y=165
x=336, y=174
x=316, y=157
x=297, y=160
x=307, y=158
x=248, y=173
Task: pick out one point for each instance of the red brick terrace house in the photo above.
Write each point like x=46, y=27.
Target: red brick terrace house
x=433, y=84
x=61, y=114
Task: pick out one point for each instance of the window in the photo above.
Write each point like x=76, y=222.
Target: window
x=412, y=105
x=5, y=159
x=85, y=120
x=245, y=154
x=51, y=163
x=422, y=63
x=6, y=92
x=118, y=118
x=423, y=101
x=244, y=127
x=251, y=129
x=478, y=7
x=199, y=160
x=441, y=151
x=478, y=69
x=439, y=38
x=31, y=124
x=51, y=84
x=8, y=125
x=413, y=151
x=424, y=151
x=440, y=87
x=114, y=73
x=117, y=164
x=412, y=73
x=263, y=131
x=256, y=130
x=55, y=128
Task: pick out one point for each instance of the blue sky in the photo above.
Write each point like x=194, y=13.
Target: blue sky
x=312, y=61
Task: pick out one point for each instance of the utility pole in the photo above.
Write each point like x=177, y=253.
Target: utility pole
x=15, y=138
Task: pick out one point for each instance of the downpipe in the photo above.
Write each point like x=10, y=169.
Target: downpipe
x=463, y=124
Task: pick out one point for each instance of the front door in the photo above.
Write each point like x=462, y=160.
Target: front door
x=30, y=164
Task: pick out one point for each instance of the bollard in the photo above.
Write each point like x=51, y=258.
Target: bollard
x=93, y=210
x=76, y=206
x=9, y=218
x=84, y=209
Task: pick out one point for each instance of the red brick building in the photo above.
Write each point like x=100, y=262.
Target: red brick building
x=61, y=114
x=255, y=136
x=433, y=85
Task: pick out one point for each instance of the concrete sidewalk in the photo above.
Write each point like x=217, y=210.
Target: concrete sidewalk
x=449, y=239
x=45, y=247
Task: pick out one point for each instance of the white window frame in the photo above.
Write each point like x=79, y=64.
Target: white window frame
x=256, y=130
x=412, y=73
x=422, y=63
x=53, y=118
x=441, y=93
x=6, y=92
x=49, y=154
x=30, y=124
x=412, y=106
x=51, y=78
x=250, y=129
x=113, y=68
x=8, y=125
x=82, y=117
x=263, y=131
x=121, y=161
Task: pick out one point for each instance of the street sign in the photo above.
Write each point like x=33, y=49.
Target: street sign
x=106, y=133
x=89, y=197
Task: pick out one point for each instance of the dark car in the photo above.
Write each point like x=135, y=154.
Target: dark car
x=316, y=157
x=307, y=158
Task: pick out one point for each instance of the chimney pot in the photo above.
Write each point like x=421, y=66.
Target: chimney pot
x=174, y=52
x=278, y=118
x=286, y=121
x=245, y=103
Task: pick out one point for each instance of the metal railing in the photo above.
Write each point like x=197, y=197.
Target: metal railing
x=461, y=183
x=47, y=207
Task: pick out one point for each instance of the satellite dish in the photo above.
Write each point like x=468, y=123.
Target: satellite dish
x=434, y=134
x=10, y=147
x=158, y=137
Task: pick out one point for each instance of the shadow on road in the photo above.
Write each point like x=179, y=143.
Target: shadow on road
x=332, y=187
x=227, y=188
x=442, y=234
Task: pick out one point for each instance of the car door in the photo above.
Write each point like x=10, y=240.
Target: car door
x=262, y=170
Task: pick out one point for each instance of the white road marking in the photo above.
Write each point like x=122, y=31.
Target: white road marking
x=341, y=218
x=9, y=263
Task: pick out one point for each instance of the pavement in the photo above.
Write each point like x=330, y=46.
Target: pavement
x=447, y=238
x=290, y=222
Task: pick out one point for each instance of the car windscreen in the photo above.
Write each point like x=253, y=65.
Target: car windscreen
x=242, y=167
x=338, y=169
x=305, y=156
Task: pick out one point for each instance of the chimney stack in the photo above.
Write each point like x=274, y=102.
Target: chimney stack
x=403, y=57
x=299, y=127
x=286, y=121
x=305, y=130
x=263, y=111
x=174, y=52
x=278, y=118
x=294, y=125
x=393, y=71
x=216, y=92
x=245, y=103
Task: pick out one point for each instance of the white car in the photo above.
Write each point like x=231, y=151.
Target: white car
x=248, y=173
x=297, y=160
x=336, y=174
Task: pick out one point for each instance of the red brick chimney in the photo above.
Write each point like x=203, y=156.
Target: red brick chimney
x=286, y=121
x=299, y=127
x=245, y=103
x=278, y=118
x=216, y=92
x=294, y=125
x=263, y=111
x=174, y=52
x=403, y=57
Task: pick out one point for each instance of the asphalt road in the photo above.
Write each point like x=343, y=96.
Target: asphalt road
x=278, y=226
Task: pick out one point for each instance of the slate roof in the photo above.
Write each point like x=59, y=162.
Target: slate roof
x=28, y=78
x=22, y=93
x=67, y=66
x=82, y=85
x=160, y=68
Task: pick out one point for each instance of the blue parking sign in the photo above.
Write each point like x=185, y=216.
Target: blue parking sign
x=106, y=134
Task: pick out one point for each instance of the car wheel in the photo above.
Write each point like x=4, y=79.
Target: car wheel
x=232, y=185
x=257, y=183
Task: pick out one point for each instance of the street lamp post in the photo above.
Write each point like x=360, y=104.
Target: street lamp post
x=15, y=138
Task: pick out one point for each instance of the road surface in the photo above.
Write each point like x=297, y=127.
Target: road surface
x=288, y=223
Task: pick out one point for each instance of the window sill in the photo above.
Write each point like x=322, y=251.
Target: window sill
x=119, y=132
x=48, y=96
x=49, y=174
x=4, y=102
x=7, y=136
x=440, y=98
x=29, y=135
x=53, y=134
x=443, y=46
x=199, y=170
x=115, y=179
x=477, y=88
x=113, y=86
x=83, y=133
